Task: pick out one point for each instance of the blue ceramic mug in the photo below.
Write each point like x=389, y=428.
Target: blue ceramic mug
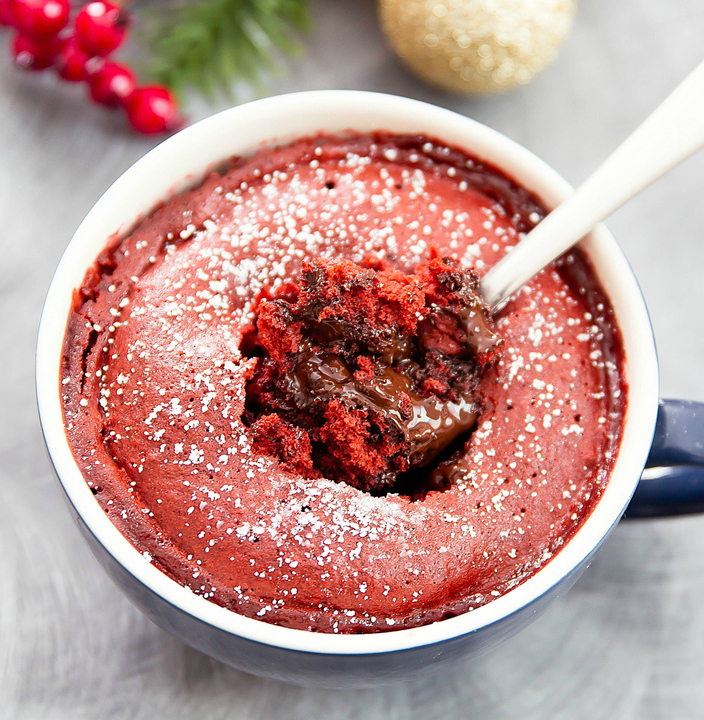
x=673, y=482
x=361, y=660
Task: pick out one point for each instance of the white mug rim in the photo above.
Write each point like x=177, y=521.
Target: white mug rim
x=358, y=111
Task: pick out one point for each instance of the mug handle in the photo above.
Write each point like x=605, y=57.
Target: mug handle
x=673, y=480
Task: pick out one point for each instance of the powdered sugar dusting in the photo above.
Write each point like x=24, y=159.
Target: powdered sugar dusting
x=164, y=391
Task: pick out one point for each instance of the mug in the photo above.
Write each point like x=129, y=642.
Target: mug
x=326, y=660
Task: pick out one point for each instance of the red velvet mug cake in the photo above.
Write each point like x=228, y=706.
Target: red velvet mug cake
x=283, y=389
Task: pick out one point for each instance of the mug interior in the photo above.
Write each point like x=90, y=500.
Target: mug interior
x=182, y=161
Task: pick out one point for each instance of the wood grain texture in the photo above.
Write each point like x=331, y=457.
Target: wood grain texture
x=627, y=643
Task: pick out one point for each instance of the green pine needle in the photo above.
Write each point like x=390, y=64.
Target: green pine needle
x=208, y=44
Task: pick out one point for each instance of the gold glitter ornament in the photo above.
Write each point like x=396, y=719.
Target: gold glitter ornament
x=476, y=46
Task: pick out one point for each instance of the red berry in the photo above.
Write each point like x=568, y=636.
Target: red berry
x=7, y=13
x=70, y=60
x=153, y=109
x=41, y=19
x=111, y=84
x=31, y=54
x=101, y=27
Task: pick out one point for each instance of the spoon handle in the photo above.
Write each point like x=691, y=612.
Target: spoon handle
x=670, y=134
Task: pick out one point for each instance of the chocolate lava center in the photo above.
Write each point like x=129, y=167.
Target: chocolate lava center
x=364, y=375
x=430, y=426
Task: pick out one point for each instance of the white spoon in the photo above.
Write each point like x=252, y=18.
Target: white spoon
x=670, y=134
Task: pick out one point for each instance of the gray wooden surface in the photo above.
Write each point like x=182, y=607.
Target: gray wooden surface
x=626, y=643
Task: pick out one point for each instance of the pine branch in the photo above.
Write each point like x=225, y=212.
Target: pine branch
x=208, y=44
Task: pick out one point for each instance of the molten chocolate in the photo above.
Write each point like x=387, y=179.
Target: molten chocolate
x=428, y=428
x=359, y=322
